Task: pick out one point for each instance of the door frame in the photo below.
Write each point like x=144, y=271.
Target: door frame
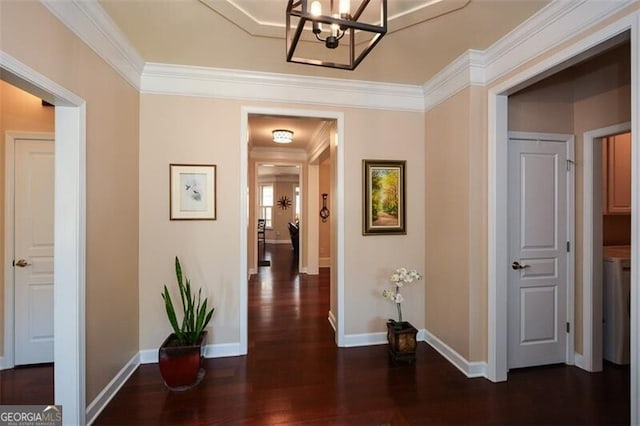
x=245, y=111
x=70, y=245
x=497, y=98
x=9, y=229
x=569, y=141
x=591, y=359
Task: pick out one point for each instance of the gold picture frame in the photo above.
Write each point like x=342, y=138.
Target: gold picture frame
x=384, y=197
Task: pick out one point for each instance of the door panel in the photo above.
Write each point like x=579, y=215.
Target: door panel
x=33, y=243
x=537, y=246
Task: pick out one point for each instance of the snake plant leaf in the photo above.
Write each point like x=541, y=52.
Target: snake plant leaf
x=194, y=307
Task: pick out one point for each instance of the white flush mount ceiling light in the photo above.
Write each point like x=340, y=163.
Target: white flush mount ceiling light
x=282, y=136
x=338, y=22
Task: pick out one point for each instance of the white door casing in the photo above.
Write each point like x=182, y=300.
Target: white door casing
x=33, y=250
x=592, y=244
x=538, y=189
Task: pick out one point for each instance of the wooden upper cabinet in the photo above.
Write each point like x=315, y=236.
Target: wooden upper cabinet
x=617, y=173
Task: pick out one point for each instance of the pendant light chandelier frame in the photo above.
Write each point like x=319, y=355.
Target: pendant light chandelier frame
x=300, y=9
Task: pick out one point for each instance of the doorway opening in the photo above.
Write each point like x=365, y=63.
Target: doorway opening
x=69, y=246
x=291, y=203
x=499, y=114
x=607, y=243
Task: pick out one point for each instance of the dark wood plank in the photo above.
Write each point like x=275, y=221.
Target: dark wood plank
x=30, y=385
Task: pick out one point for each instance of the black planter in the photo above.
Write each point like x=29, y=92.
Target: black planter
x=402, y=341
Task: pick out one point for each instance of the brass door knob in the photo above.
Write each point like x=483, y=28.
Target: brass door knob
x=22, y=263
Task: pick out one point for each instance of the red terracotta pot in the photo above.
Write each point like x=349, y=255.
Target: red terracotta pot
x=181, y=366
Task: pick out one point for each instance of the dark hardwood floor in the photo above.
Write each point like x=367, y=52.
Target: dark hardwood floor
x=294, y=374
x=31, y=385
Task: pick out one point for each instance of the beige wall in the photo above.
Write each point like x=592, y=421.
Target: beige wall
x=19, y=112
x=455, y=223
x=210, y=250
x=369, y=260
x=197, y=133
x=35, y=37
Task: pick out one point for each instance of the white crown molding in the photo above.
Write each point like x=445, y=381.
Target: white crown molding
x=278, y=154
x=548, y=28
x=169, y=79
x=545, y=30
x=88, y=20
x=320, y=140
x=261, y=27
x=466, y=70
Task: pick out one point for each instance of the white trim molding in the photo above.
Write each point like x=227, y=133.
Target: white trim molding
x=469, y=369
x=106, y=395
x=364, y=339
x=218, y=350
x=89, y=21
x=332, y=321
x=591, y=359
x=546, y=29
x=70, y=245
x=466, y=70
x=167, y=79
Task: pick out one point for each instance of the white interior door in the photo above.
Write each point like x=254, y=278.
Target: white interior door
x=33, y=250
x=537, y=288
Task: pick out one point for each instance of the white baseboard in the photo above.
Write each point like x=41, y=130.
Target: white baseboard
x=469, y=369
x=220, y=350
x=365, y=339
x=287, y=241
x=324, y=262
x=2, y=365
x=580, y=361
x=107, y=394
x=379, y=338
x=333, y=321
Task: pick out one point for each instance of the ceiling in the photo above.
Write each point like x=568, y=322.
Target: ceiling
x=424, y=36
x=261, y=126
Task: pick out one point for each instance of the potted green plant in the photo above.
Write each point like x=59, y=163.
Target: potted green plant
x=180, y=355
x=401, y=335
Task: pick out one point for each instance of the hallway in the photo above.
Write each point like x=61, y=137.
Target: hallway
x=294, y=374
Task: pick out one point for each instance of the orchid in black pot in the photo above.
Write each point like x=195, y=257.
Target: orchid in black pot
x=401, y=335
x=400, y=278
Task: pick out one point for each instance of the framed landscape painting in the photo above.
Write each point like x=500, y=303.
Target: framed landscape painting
x=383, y=200
x=192, y=194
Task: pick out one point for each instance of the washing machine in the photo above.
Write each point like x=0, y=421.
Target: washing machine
x=616, y=274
